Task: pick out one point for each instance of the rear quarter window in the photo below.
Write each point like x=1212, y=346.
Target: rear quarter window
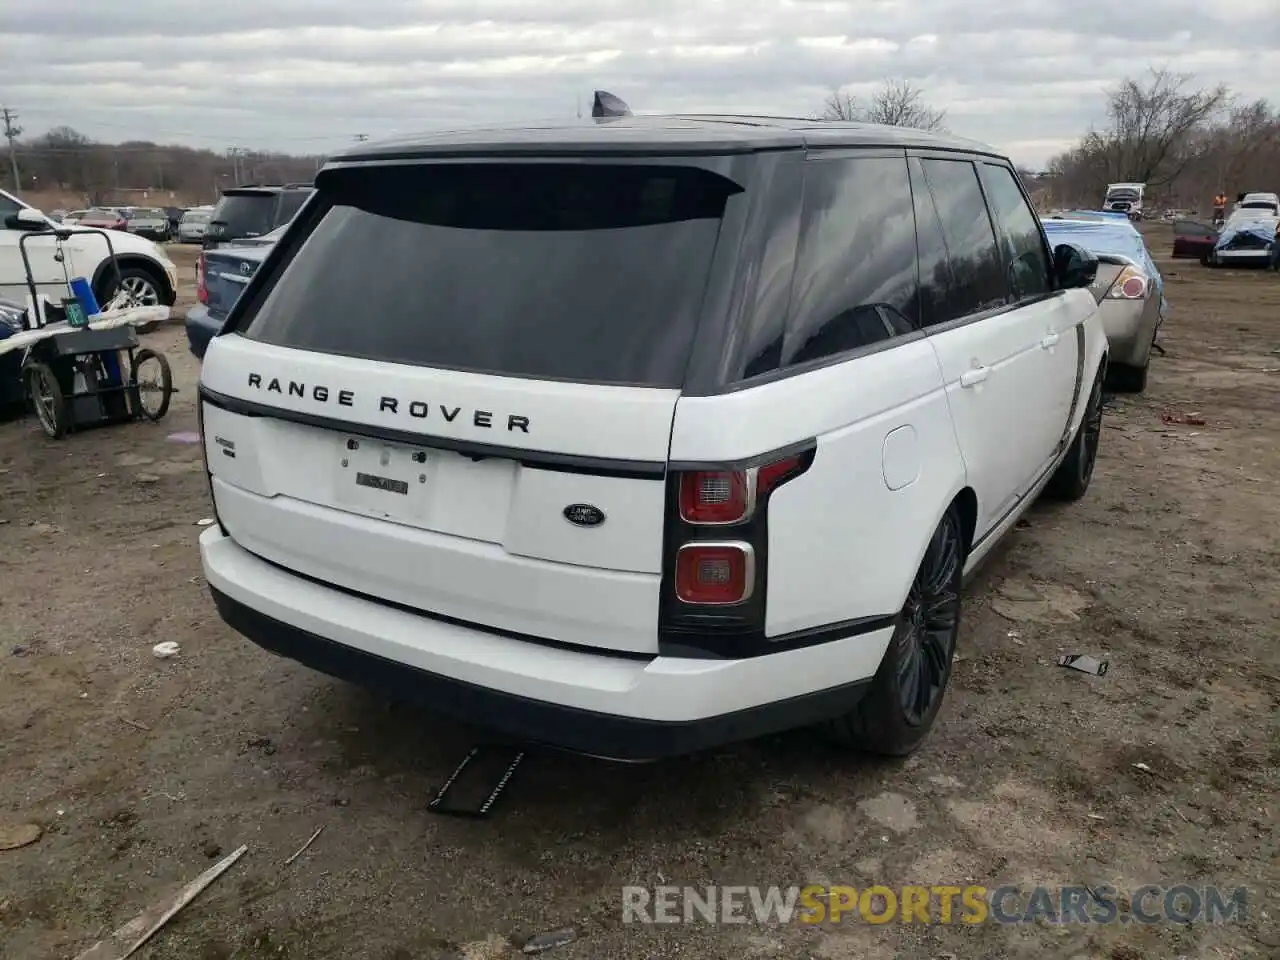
x=585, y=272
x=855, y=277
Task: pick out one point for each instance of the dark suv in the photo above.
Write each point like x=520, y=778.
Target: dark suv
x=253, y=210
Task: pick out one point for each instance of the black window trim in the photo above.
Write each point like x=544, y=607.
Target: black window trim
x=820, y=363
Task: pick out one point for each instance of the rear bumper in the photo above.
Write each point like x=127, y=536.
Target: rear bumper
x=1248, y=255
x=610, y=706
x=201, y=328
x=1130, y=326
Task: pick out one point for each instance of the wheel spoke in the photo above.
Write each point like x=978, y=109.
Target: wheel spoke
x=940, y=612
x=937, y=651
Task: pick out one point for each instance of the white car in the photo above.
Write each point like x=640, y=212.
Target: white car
x=639, y=437
x=145, y=269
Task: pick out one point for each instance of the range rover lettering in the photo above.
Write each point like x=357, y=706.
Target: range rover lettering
x=809, y=372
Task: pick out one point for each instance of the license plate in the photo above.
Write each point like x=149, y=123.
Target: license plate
x=382, y=479
x=382, y=483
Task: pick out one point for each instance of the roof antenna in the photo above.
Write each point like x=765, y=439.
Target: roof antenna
x=579, y=102
x=607, y=105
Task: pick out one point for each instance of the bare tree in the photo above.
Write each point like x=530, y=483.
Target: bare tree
x=1180, y=140
x=840, y=106
x=1152, y=123
x=896, y=104
x=900, y=104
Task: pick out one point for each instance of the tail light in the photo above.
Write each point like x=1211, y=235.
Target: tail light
x=716, y=552
x=715, y=573
x=202, y=290
x=725, y=497
x=1131, y=284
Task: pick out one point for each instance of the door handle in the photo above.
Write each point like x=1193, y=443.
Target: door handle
x=1051, y=340
x=971, y=378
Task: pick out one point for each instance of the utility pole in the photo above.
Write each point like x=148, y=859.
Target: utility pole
x=11, y=132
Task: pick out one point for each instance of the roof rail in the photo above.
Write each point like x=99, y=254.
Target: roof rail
x=300, y=183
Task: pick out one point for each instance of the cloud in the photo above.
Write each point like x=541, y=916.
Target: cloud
x=307, y=75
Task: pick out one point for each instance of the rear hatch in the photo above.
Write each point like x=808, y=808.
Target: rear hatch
x=227, y=272
x=242, y=212
x=457, y=393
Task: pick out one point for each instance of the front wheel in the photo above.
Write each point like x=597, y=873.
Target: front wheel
x=1071, y=479
x=150, y=385
x=898, y=711
x=48, y=399
x=144, y=287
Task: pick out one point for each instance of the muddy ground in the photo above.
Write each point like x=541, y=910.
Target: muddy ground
x=142, y=772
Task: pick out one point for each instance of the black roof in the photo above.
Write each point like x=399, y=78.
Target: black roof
x=667, y=135
x=250, y=188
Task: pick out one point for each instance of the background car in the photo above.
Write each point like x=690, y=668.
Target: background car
x=174, y=215
x=104, y=219
x=252, y=211
x=221, y=275
x=73, y=218
x=1129, y=291
x=1193, y=240
x=150, y=222
x=145, y=270
x=193, y=224
x=11, y=392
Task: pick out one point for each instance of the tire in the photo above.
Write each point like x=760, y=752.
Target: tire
x=48, y=400
x=1071, y=480
x=137, y=405
x=1124, y=378
x=146, y=284
x=897, y=713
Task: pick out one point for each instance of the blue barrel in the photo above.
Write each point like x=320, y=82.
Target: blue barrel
x=110, y=361
x=84, y=293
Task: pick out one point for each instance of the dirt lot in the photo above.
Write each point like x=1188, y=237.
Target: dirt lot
x=142, y=772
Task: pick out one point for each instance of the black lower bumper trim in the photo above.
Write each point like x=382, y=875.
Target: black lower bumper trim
x=534, y=721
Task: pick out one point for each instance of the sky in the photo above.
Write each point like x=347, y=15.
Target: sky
x=308, y=76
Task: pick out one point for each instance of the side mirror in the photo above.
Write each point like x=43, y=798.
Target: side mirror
x=1074, y=266
x=26, y=219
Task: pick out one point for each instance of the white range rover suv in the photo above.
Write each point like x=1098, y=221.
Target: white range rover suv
x=639, y=436
x=145, y=270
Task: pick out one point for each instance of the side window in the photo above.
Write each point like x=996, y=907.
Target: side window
x=1028, y=262
x=939, y=299
x=978, y=278
x=855, y=278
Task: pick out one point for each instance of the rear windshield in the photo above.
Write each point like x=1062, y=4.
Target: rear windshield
x=291, y=202
x=1257, y=205
x=244, y=214
x=196, y=216
x=1124, y=193
x=582, y=272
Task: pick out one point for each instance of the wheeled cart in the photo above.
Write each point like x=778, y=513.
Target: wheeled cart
x=86, y=378
x=91, y=373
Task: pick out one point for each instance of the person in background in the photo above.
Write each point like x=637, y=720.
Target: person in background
x=1220, y=206
x=1275, y=250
